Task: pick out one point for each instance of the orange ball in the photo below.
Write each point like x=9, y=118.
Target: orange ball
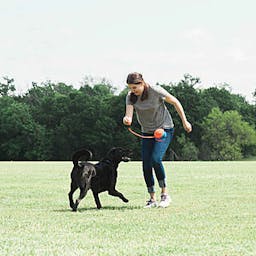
x=158, y=134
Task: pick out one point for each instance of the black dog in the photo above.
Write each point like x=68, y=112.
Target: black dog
x=98, y=177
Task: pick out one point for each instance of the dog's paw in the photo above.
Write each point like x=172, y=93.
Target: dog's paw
x=74, y=208
x=125, y=200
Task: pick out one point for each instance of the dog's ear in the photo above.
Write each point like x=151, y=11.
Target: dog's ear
x=115, y=154
x=111, y=152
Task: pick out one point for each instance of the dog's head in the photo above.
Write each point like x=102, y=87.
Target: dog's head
x=119, y=154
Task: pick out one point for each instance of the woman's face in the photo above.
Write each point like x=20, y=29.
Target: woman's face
x=137, y=89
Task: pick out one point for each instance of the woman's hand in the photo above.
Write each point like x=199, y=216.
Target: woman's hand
x=175, y=102
x=127, y=120
x=187, y=126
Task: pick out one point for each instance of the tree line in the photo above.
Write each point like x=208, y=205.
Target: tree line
x=52, y=120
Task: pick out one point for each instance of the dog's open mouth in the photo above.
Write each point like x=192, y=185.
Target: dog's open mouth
x=126, y=159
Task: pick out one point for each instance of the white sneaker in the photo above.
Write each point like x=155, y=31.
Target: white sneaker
x=165, y=201
x=151, y=204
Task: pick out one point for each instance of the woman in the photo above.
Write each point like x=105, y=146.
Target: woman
x=148, y=102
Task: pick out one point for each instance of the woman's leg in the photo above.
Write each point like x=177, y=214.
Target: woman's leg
x=159, y=150
x=147, y=150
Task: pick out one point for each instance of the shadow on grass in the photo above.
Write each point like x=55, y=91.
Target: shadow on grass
x=104, y=208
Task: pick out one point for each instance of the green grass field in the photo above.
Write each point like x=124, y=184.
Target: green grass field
x=213, y=212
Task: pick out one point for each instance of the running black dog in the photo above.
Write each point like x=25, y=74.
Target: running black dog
x=98, y=177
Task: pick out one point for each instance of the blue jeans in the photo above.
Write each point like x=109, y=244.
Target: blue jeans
x=152, y=155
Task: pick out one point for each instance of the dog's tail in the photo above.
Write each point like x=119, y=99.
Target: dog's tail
x=82, y=155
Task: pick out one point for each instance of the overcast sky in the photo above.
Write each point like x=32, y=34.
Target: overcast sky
x=63, y=41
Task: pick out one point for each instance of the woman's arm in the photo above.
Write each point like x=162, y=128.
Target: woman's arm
x=175, y=102
x=127, y=120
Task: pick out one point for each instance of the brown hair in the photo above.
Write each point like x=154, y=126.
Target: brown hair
x=136, y=78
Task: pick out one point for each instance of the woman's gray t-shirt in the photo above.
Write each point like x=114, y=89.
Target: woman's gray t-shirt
x=152, y=112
